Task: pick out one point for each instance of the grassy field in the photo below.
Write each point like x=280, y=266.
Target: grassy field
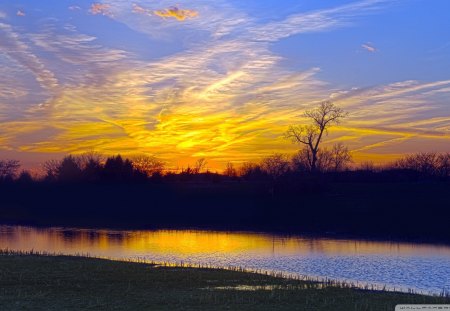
x=69, y=283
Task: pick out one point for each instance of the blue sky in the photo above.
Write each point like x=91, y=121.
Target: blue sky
x=221, y=79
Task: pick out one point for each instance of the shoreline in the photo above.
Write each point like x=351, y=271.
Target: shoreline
x=320, y=281
x=79, y=281
x=403, y=212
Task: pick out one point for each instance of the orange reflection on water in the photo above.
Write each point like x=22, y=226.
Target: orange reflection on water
x=190, y=243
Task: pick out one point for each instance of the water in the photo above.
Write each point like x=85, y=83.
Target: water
x=403, y=266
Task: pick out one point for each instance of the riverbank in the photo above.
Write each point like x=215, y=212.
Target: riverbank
x=31, y=282
x=392, y=211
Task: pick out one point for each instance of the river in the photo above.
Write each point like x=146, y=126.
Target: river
x=401, y=266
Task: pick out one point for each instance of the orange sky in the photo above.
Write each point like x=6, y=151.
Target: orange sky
x=221, y=81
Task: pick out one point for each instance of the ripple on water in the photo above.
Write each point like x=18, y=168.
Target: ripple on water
x=424, y=268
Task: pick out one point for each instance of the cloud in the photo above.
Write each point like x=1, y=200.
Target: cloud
x=369, y=47
x=11, y=86
x=2, y=14
x=16, y=49
x=387, y=117
x=315, y=21
x=141, y=10
x=219, y=18
x=177, y=13
x=20, y=13
x=100, y=9
x=74, y=8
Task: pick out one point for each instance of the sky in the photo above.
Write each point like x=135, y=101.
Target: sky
x=221, y=79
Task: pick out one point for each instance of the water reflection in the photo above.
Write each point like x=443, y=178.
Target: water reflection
x=401, y=265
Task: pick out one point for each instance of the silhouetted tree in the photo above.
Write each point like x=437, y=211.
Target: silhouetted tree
x=92, y=170
x=117, y=169
x=8, y=169
x=275, y=165
x=230, y=171
x=252, y=171
x=323, y=117
x=200, y=165
x=69, y=170
x=428, y=163
x=334, y=160
x=444, y=164
x=51, y=169
x=89, y=158
x=25, y=177
x=301, y=161
x=341, y=157
x=367, y=166
x=148, y=166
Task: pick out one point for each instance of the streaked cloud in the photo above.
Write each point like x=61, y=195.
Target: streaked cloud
x=316, y=21
x=19, y=51
x=141, y=10
x=74, y=8
x=177, y=13
x=369, y=47
x=100, y=9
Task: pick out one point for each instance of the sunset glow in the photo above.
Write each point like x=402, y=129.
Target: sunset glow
x=220, y=80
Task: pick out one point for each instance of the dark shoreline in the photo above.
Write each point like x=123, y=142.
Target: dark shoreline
x=410, y=212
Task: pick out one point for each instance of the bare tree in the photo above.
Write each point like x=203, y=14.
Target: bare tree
x=275, y=165
x=334, y=160
x=148, y=165
x=51, y=169
x=430, y=163
x=323, y=117
x=367, y=166
x=89, y=159
x=230, y=171
x=444, y=164
x=200, y=165
x=8, y=168
x=341, y=157
x=251, y=170
x=301, y=161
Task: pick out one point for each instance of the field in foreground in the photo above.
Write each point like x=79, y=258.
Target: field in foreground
x=70, y=283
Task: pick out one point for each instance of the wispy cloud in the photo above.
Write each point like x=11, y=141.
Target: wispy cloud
x=316, y=21
x=2, y=14
x=141, y=10
x=74, y=8
x=177, y=13
x=20, y=13
x=100, y=9
x=16, y=49
x=369, y=47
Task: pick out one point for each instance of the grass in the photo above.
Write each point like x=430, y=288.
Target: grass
x=33, y=282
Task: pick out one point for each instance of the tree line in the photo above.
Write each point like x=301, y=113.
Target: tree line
x=92, y=167
x=312, y=158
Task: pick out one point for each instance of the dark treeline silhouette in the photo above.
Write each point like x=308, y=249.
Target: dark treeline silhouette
x=333, y=164
x=407, y=199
